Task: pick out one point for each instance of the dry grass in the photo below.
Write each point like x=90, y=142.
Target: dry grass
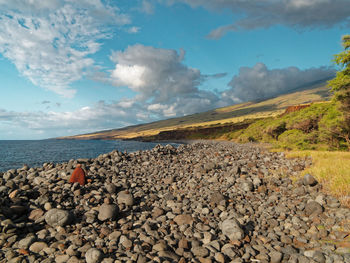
x=332, y=170
x=231, y=114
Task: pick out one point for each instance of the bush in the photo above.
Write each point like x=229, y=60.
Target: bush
x=295, y=139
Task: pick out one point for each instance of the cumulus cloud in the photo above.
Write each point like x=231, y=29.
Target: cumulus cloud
x=157, y=75
x=259, y=82
x=49, y=42
x=100, y=116
x=251, y=83
x=291, y=13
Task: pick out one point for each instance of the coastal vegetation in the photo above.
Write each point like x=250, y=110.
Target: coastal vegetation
x=311, y=128
x=331, y=169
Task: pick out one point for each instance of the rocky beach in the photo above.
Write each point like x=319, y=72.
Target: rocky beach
x=200, y=202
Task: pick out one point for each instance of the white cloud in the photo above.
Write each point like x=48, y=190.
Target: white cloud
x=156, y=74
x=291, y=13
x=165, y=86
x=49, y=42
x=133, y=30
x=260, y=82
x=131, y=76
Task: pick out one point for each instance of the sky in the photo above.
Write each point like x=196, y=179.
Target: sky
x=70, y=67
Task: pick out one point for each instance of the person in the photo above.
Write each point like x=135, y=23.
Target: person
x=78, y=175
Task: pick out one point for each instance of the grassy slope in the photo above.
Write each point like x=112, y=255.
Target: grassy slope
x=232, y=114
x=331, y=169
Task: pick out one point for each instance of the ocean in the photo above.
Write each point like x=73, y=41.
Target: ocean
x=34, y=153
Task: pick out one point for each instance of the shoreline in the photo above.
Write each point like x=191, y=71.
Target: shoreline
x=201, y=202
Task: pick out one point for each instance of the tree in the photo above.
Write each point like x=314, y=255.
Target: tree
x=340, y=85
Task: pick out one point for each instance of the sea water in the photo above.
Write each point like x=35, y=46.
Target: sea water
x=34, y=153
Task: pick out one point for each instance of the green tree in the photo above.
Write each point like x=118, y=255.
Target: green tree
x=340, y=85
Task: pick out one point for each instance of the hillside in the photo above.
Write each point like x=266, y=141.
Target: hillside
x=226, y=118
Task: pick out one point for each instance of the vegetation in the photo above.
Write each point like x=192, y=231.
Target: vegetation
x=341, y=87
x=309, y=128
x=331, y=169
x=228, y=115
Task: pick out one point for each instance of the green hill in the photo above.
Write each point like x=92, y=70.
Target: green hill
x=216, y=122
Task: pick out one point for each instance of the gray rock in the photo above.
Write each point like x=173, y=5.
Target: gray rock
x=183, y=219
x=232, y=229
x=36, y=247
x=313, y=208
x=57, y=217
x=275, y=257
x=247, y=186
x=111, y=188
x=315, y=255
x=26, y=242
x=125, y=198
x=200, y=251
x=107, y=212
x=93, y=255
x=309, y=180
x=62, y=258
x=216, y=198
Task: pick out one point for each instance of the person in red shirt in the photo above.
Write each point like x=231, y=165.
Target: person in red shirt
x=78, y=175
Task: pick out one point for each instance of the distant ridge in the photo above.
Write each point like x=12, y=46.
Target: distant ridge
x=312, y=92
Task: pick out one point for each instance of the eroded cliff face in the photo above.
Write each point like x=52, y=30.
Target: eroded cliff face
x=296, y=108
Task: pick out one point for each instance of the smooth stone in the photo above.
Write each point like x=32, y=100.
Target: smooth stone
x=315, y=255
x=36, y=247
x=26, y=242
x=200, y=251
x=35, y=214
x=275, y=257
x=107, y=212
x=216, y=198
x=62, y=258
x=57, y=217
x=313, y=208
x=247, y=186
x=93, y=255
x=184, y=219
x=125, y=198
x=308, y=179
x=232, y=229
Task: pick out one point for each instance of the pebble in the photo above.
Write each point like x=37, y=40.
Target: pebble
x=57, y=217
x=107, y=212
x=36, y=247
x=198, y=202
x=309, y=180
x=93, y=255
x=313, y=208
x=232, y=229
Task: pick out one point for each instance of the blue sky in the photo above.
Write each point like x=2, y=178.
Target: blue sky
x=69, y=67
